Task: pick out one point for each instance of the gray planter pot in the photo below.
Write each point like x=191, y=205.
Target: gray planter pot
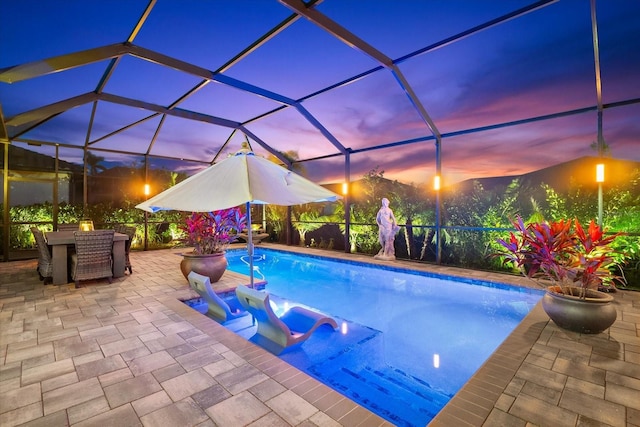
x=590, y=315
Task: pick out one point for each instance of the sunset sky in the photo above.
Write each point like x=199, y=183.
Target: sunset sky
x=540, y=63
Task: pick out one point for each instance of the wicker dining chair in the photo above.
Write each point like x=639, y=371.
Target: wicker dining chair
x=93, y=259
x=130, y=231
x=45, y=261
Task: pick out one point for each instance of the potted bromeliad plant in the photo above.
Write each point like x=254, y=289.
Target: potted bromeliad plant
x=576, y=265
x=210, y=234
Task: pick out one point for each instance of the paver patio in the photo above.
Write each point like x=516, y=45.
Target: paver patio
x=131, y=353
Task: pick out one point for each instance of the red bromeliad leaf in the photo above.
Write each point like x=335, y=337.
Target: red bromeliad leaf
x=595, y=231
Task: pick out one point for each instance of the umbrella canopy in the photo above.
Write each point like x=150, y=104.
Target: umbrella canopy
x=240, y=179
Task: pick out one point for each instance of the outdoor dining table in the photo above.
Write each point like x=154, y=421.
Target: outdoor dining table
x=58, y=240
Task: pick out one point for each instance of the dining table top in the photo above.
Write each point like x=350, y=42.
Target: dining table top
x=67, y=237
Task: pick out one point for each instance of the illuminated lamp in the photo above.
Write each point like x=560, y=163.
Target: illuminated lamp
x=86, y=225
x=600, y=172
x=600, y=180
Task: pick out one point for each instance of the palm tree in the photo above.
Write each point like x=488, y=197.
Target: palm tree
x=93, y=163
x=411, y=205
x=309, y=221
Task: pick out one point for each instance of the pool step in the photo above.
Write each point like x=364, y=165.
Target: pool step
x=390, y=393
x=361, y=373
x=354, y=365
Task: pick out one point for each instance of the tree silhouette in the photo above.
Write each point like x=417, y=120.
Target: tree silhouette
x=93, y=163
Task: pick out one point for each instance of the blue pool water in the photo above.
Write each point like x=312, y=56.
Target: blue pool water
x=407, y=342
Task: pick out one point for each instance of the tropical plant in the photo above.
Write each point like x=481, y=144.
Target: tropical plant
x=277, y=220
x=363, y=236
x=309, y=221
x=564, y=253
x=374, y=186
x=212, y=232
x=412, y=206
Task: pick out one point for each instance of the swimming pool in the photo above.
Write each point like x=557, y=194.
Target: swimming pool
x=408, y=341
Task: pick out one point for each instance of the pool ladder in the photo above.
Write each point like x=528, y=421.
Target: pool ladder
x=256, y=269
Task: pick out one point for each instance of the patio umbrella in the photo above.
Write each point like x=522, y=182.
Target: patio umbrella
x=243, y=178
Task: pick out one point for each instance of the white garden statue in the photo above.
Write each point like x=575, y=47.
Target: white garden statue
x=387, y=229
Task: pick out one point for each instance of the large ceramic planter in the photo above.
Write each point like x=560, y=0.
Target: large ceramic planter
x=211, y=265
x=590, y=315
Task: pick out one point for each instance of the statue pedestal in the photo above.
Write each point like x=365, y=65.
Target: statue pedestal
x=385, y=257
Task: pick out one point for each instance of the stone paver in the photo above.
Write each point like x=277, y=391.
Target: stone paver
x=151, y=403
x=168, y=372
x=165, y=342
x=121, y=416
x=18, y=353
x=18, y=397
x=21, y=415
x=74, y=346
x=183, y=413
x=71, y=395
x=594, y=408
x=291, y=407
x=47, y=371
x=114, y=377
x=99, y=367
x=198, y=358
x=131, y=389
x=151, y=362
x=210, y=396
x=187, y=384
x=238, y=410
x=60, y=381
x=122, y=346
x=131, y=353
x=241, y=378
x=88, y=409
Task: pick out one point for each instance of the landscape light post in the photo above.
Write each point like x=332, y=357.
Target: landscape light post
x=600, y=180
x=601, y=144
